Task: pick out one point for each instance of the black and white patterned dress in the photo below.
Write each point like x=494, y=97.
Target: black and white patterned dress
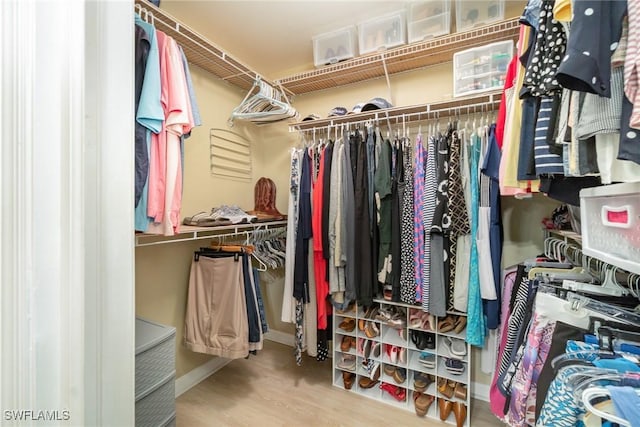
x=407, y=273
x=457, y=212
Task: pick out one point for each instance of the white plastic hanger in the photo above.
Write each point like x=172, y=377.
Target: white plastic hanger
x=598, y=392
x=264, y=106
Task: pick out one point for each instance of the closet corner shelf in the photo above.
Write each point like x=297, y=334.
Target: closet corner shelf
x=404, y=58
x=188, y=233
x=486, y=101
x=200, y=51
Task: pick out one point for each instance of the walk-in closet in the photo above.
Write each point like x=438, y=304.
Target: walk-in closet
x=320, y=213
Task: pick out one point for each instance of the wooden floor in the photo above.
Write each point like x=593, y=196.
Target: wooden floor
x=270, y=390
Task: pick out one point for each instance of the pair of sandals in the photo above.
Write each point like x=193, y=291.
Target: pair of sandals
x=459, y=410
x=348, y=362
x=451, y=323
x=348, y=378
x=449, y=388
x=395, y=353
x=428, y=360
x=368, y=348
x=398, y=393
x=422, y=402
x=423, y=340
x=422, y=320
x=392, y=316
x=347, y=343
x=457, y=348
x=348, y=324
x=455, y=366
x=399, y=375
x=421, y=381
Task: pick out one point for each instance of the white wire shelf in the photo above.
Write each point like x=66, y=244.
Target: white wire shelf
x=189, y=233
x=404, y=58
x=198, y=49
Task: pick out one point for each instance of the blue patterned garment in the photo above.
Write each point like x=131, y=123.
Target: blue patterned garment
x=475, y=321
x=560, y=408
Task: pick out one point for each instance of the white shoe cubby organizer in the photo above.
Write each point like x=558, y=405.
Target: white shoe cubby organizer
x=398, y=351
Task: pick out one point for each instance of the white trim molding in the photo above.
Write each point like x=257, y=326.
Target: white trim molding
x=480, y=391
x=66, y=183
x=199, y=374
x=280, y=337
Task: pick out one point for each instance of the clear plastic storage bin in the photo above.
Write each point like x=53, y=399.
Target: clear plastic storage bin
x=481, y=69
x=382, y=33
x=428, y=19
x=474, y=13
x=610, y=219
x=335, y=46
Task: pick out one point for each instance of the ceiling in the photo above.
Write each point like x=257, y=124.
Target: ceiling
x=273, y=37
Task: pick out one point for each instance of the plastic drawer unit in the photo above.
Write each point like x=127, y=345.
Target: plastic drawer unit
x=335, y=46
x=475, y=13
x=427, y=19
x=382, y=33
x=610, y=221
x=481, y=69
x=155, y=374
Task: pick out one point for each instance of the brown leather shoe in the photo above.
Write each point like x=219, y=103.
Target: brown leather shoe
x=422, y=402
x=460, y=412
x=446, y=325
x=446, y=387
x=348, y=324
x=347, y=378
x=347, y=343
x=445, y=406
x=366, y=382
x=461, y=391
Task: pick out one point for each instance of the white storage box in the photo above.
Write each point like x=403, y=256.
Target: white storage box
x=610, y=217
x=475, y=13
x=382, y=33
x=481, y=69
x=335, y=46
x=428, y=19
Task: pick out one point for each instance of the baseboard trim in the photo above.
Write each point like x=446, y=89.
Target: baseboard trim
x=199, y=374
x=480, y=391
x=280, y=337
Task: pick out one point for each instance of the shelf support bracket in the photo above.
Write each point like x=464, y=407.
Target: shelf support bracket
x=386, y=76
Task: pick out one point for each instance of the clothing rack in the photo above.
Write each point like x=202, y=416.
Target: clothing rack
x=198, y=49
x=189, y=233
x=431, y=111
x=561, y=250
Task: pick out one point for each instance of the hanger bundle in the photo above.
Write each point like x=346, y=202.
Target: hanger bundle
x=263, y=104
x=270, y=248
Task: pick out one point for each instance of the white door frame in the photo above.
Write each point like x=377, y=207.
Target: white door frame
x=66, y=186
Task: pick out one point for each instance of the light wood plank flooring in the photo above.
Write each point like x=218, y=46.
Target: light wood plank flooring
x=270, y=390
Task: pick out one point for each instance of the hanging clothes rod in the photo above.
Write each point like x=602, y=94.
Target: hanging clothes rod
x=189, y=233
x=476, y=105
x=561, y=250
